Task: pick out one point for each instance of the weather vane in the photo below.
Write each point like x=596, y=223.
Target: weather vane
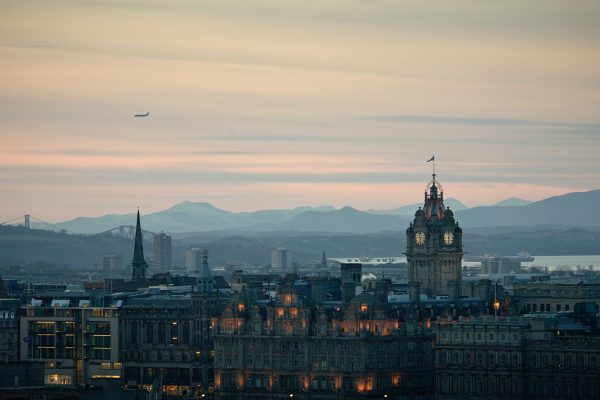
x=433, y=165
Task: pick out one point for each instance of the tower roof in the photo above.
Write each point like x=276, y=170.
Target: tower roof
x=205, y=271
x=138, y=264
x=434, y=200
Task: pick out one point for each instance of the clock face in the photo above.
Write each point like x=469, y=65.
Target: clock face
x=448, y=238
x=420, y=238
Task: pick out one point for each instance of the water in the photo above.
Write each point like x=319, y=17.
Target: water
x=552, y=262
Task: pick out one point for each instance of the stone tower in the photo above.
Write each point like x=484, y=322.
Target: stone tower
x=204, y=276
x=434, y=248
x=351, y=274
x=138, y=264
x=205, y=300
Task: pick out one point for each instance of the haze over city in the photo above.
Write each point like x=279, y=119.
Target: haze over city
x=257, y=105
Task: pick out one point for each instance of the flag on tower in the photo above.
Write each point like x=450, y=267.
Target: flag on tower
x=431, y=159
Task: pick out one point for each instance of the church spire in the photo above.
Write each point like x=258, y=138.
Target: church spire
x=138, y=264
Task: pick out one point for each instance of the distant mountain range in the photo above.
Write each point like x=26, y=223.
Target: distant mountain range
x=183, y=217
x=409, y=211
x=346, y=219
x=512, y=201
x=572, y=209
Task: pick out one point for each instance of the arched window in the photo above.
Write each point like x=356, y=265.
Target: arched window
x=502, y=359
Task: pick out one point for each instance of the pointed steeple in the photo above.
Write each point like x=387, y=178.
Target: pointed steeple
x=138, y=264
x=324, y=260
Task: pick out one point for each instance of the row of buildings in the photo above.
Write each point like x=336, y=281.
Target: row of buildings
x=435, y=335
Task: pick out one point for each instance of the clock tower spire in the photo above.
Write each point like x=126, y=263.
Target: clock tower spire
x=434, y=248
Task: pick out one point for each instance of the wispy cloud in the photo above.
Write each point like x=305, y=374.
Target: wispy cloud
x=449, y=120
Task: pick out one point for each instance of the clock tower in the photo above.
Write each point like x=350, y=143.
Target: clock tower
x=434, y=248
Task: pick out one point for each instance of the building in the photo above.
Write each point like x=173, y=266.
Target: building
x=292, y=346
x=281, y=259
x=170, y=335
x=162, y=252
x=534, y=357
x=138, y=264
x=501, y=265
x=78, y=340
x=554, y=297
x=109, y=263
x=193, y=259
x=434, y=249
x=9, y=330
x=156, y=337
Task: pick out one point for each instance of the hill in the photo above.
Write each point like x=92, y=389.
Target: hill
x=409, y=210
x=512, y=201
x=26, y=247
x=186, y=216
x=571, y=209
x=347, y=219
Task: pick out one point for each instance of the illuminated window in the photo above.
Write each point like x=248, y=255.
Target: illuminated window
x=241, y=307
x=363, y=307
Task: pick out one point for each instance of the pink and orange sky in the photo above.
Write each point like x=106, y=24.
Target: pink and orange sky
x=277, y=104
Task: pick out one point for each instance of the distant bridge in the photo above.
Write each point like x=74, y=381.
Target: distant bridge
x=125, y=232
x=122, y=231
x=26, y=221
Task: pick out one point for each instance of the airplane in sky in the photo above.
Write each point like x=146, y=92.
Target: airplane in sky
x=142, y=115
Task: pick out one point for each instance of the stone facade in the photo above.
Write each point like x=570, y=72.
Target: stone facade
x=9, y=330
x=554, y=297
x=516, y=358
x=171, y=334
x=289, y=347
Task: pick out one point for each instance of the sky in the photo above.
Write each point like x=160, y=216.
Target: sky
x=277, y=104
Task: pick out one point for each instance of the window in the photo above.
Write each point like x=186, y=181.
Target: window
x=502, y=359
x=455, y=358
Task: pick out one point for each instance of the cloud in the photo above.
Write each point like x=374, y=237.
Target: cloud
x=502, y=122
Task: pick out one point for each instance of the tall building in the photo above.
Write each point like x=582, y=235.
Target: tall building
x=78, y=340
x=170, y=336
x=193, y=259
x=434, y=249
x=138, y=264
x=205, y=307
x=281, y=258
x=162, y=252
